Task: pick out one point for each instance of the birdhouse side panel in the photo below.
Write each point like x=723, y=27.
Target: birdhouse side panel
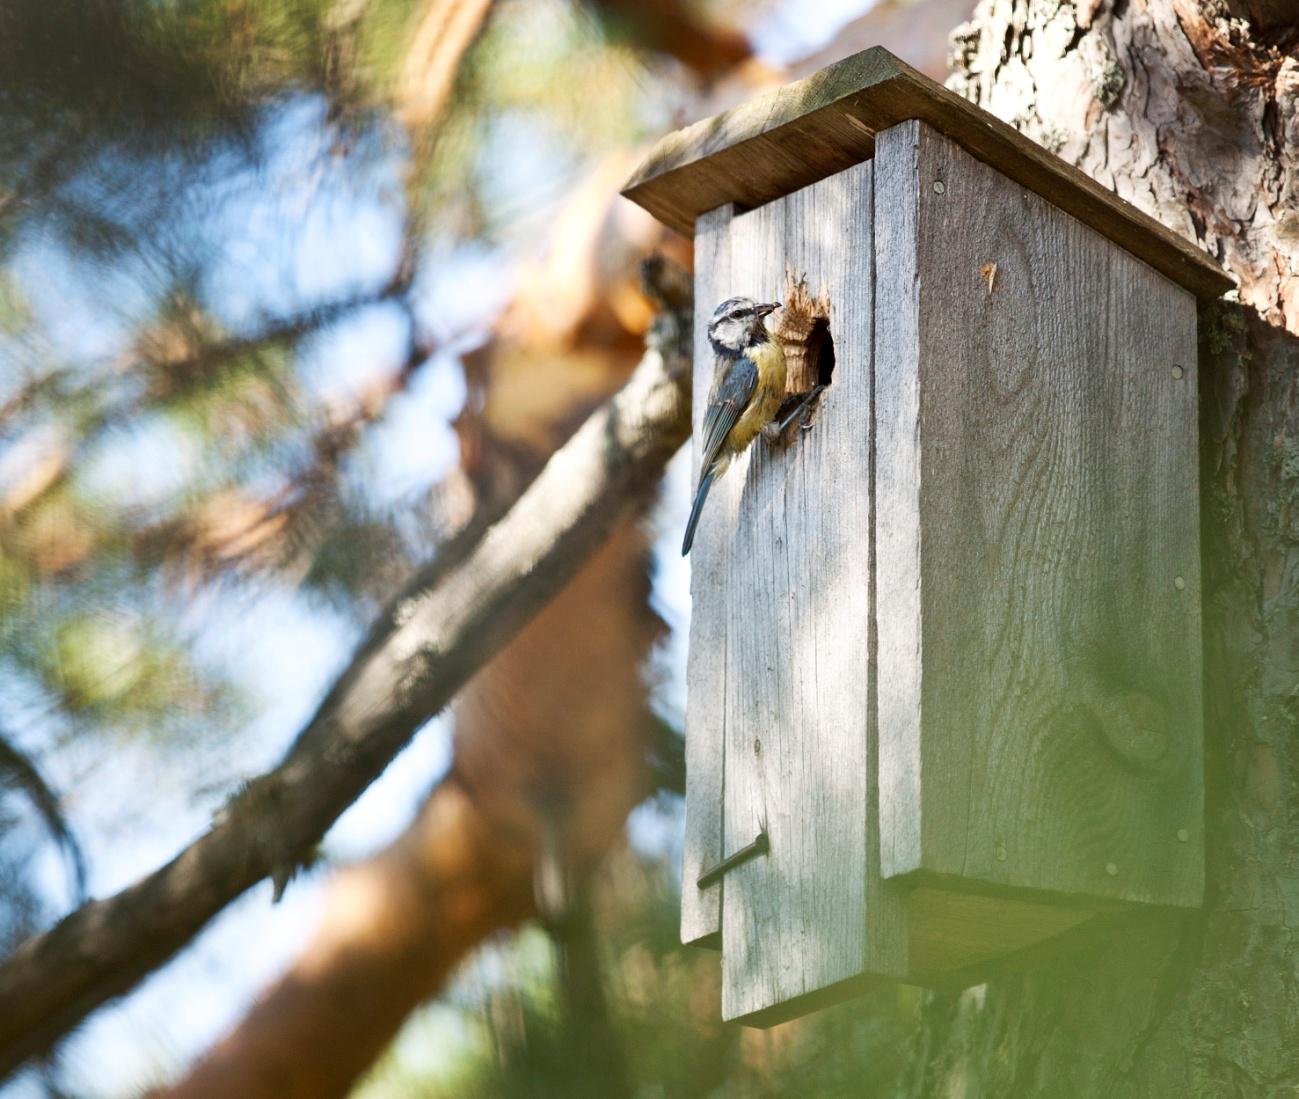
x=1046, y=730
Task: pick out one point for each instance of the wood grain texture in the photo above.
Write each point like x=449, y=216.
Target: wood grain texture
x=811, y=129
x=897, y=475
x=1055, y=508
x=701, y=909
x=798, y=924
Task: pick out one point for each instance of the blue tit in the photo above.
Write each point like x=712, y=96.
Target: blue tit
x=748, y=390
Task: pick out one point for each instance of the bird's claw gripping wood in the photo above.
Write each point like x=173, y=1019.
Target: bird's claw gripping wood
x=803, y=406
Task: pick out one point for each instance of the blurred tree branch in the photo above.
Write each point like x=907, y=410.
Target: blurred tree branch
x=552, y=740
x=443, y=33
x=673, y=28
x=181, y=353
x=553, y=737
x=446, y=624
x=395, y=925
x=21, y=770
x=599, y=1061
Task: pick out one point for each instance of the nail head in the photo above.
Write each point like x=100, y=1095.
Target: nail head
x=757, y=745
x=1178, y=372
x=939, y=186
x=1179, y=583
x=1111, y=869
x=1183, y=835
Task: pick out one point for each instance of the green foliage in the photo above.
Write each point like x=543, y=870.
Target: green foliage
x=13, y=310
x=118, y=666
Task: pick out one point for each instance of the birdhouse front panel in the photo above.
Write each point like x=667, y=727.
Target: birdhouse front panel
x=780, y=679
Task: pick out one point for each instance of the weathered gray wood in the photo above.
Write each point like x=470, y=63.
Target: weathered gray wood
x=701, y=909
x=798, y=923
x=813, y=128
x=1029, y=751
x=1039, y=544
x=897, y=480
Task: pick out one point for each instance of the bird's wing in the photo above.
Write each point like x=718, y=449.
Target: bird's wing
x=731, y=395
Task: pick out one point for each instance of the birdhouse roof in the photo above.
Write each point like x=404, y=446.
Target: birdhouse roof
x=795, y=135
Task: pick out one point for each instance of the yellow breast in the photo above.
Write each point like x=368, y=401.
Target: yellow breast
x=770, y=361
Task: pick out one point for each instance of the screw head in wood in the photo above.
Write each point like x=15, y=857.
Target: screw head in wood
x=757, y=745
x=939, y=186
x=1178, y=372
x=1179, y=583
x=1183, y=835
x=1111, y=869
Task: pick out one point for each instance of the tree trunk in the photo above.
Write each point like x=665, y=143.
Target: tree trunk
x=1188, y=108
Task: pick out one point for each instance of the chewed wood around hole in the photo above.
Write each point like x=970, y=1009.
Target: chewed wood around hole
x=803, y=330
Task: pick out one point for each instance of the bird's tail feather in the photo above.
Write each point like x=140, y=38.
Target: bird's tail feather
x=701, y=494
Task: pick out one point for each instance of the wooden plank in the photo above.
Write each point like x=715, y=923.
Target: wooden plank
x=701, y=909
x=1056, y=507
x=897, y=493
x=815, y=127
x=796, y=925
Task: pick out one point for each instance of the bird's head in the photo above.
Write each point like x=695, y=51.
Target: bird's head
x=738, y=324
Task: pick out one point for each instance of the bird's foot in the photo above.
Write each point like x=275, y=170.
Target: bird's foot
x=803, y=408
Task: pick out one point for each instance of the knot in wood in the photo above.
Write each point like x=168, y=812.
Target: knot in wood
x=1135, y=726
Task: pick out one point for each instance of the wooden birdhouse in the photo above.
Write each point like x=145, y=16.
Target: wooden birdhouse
x=944, y=675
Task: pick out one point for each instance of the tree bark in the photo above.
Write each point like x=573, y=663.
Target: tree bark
x=1191, y=114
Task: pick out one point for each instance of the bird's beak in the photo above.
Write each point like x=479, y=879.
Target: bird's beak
x=770, y=307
